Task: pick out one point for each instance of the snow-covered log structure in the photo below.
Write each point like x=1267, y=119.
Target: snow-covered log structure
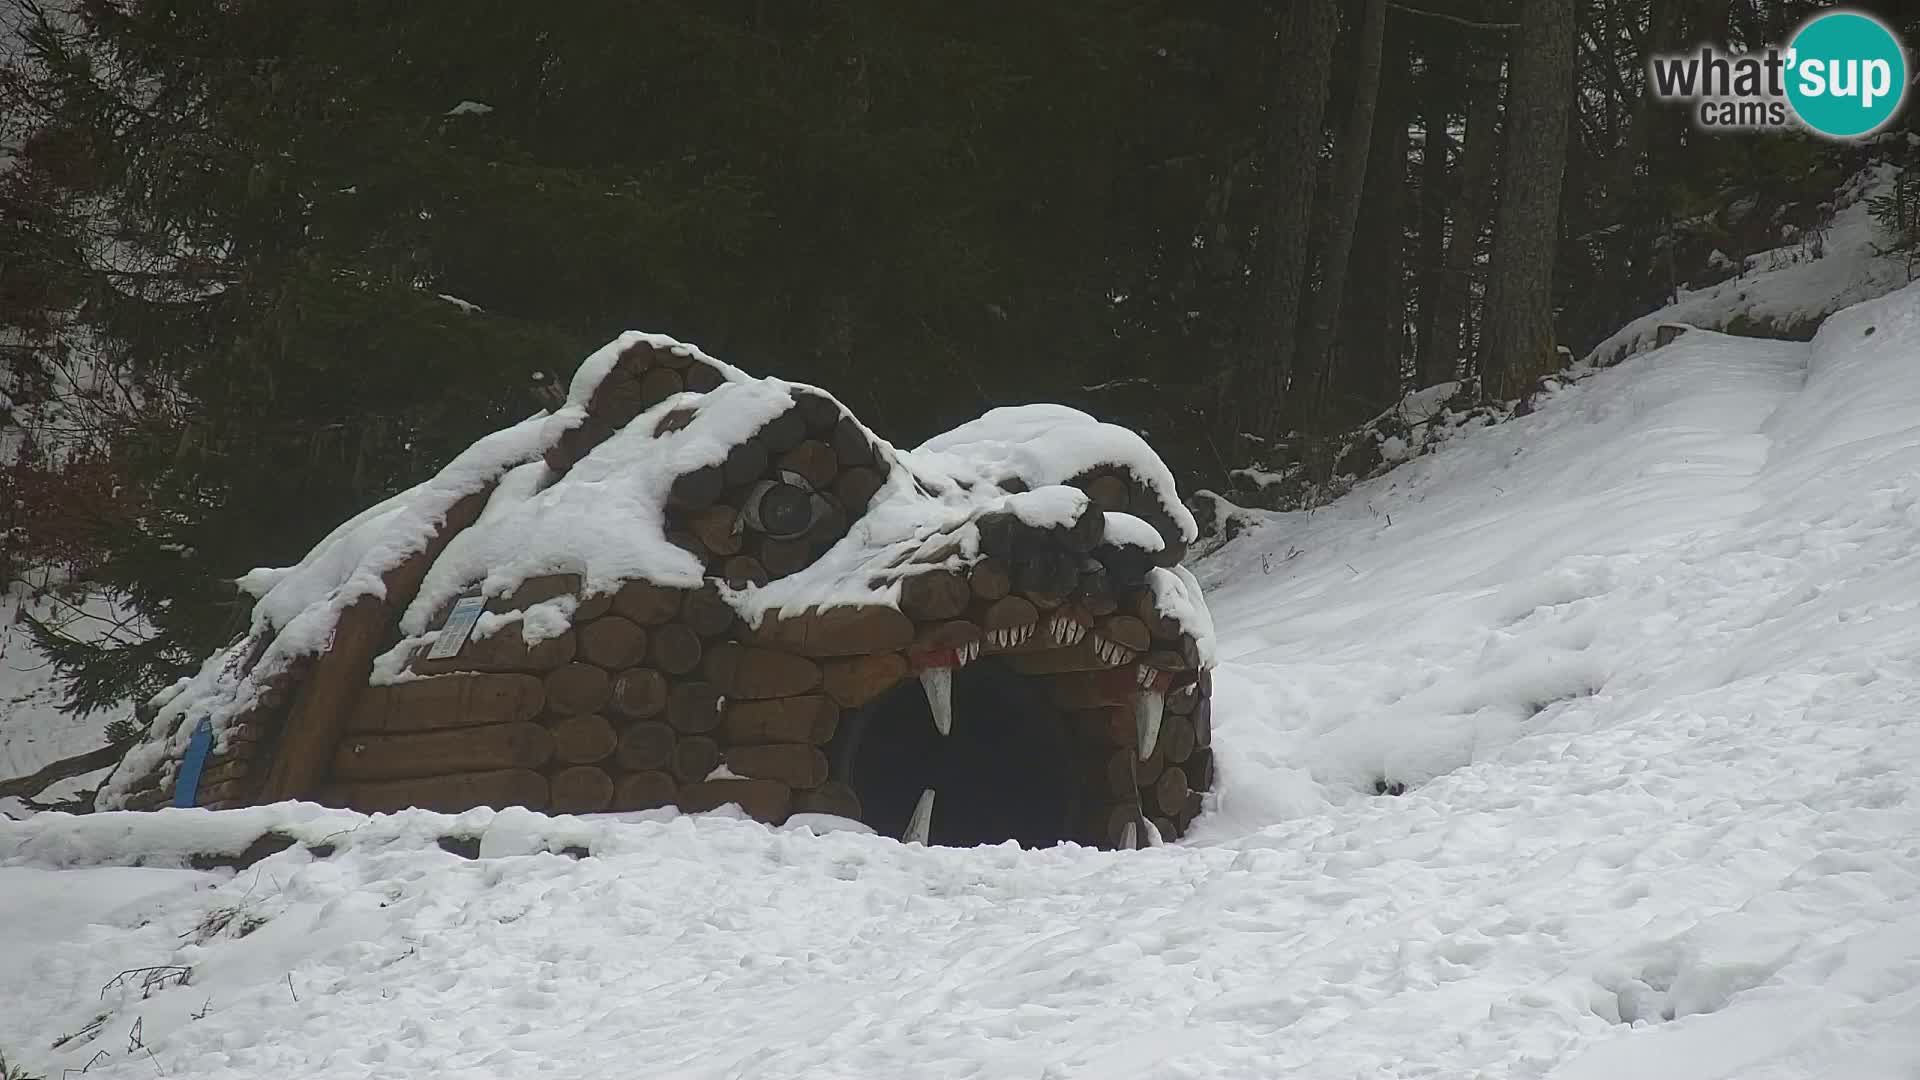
x=691, y=587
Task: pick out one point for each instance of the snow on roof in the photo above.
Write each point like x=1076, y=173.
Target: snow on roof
x=1049, y=444
x=299, y=606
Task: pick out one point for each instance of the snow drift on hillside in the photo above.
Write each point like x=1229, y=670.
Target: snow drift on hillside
x=1794, y=285
x=1647, y=662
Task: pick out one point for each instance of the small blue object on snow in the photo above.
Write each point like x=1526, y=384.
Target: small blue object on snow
x=187, y=788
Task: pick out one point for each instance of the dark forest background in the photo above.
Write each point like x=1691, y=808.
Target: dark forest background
x=234, y=233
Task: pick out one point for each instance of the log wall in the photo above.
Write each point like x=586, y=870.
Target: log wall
x=659, y=696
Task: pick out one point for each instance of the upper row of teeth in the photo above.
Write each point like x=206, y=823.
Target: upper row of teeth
x=1066, y=630
x=1010, y=637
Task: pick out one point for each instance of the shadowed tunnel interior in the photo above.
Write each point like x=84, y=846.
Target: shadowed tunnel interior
x=1003, y=774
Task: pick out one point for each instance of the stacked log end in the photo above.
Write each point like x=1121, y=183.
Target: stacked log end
x=1116, y=490
x=813, y=447
x=650, y=701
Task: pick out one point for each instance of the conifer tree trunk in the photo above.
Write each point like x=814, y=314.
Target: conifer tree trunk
x=1371, y=343
x=1436, y=113
x=1518, y=345
x=1343, y=213
x=1451, y=287
x=1258, y=387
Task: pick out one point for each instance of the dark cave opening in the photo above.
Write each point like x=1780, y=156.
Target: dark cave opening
x=1003, y=774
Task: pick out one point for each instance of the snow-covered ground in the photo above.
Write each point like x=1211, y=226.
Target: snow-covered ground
x=1648, y=661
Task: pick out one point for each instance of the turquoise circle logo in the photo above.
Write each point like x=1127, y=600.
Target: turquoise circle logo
x=1847, y=74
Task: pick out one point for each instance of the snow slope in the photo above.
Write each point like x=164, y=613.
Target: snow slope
x=1647, y=660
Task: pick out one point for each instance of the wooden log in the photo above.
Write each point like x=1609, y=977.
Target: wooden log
x=1170, y=791
x=674, y=648
x=644, y=791
x=612, y=642
x=536, y=590
x=855, y=488
x=1047, y=576
x=592, y=607
x=784, y=557
x=1147, y=770
x=1199, y=767
x=579, y=789
x=317, y=719
x=1176, y=734
x=1009, y=612
x=832, y=797
x=1093, y=689
x=577, y=689
x=1146, y=608
x=618, y=398
x=999, y=533
x=934, y=639
x=820, y=411
x=694, y=756
x=648, y=604
x=449, y=793
x=1126, y=566
x=1195, y=803
x=742, y=571
x=1173, y=554
x=740, y=671
x=715, y=528
x=520, y=744
x=697, y=489
x=707, y=612
x=794, y=764
x=1168, y=829
x=1126, y=630
x=702, y=377
x=784, y=432
x=1190, y=650
x=1086, y=533
x=504, y=650
x=675, y=420
x=638, y=693
x=837, y=631
x=746, y=463
x=1112, y=725
x=935, y=595
x=810, y=718
x=1108, y=493
x=990, y=578
x=681, y=537
x=853, y=682
x=1203, y=723
x=763, y=800
x=582, y=740
x=644, y=746
x=1113, y=823
x=693, y=708
x=448, y=701
x=657, y=385
x=851, y=446
x=1184, y=698
x=813, y=460
x=668, y=356
x=829, y=527
x=1094, y=594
